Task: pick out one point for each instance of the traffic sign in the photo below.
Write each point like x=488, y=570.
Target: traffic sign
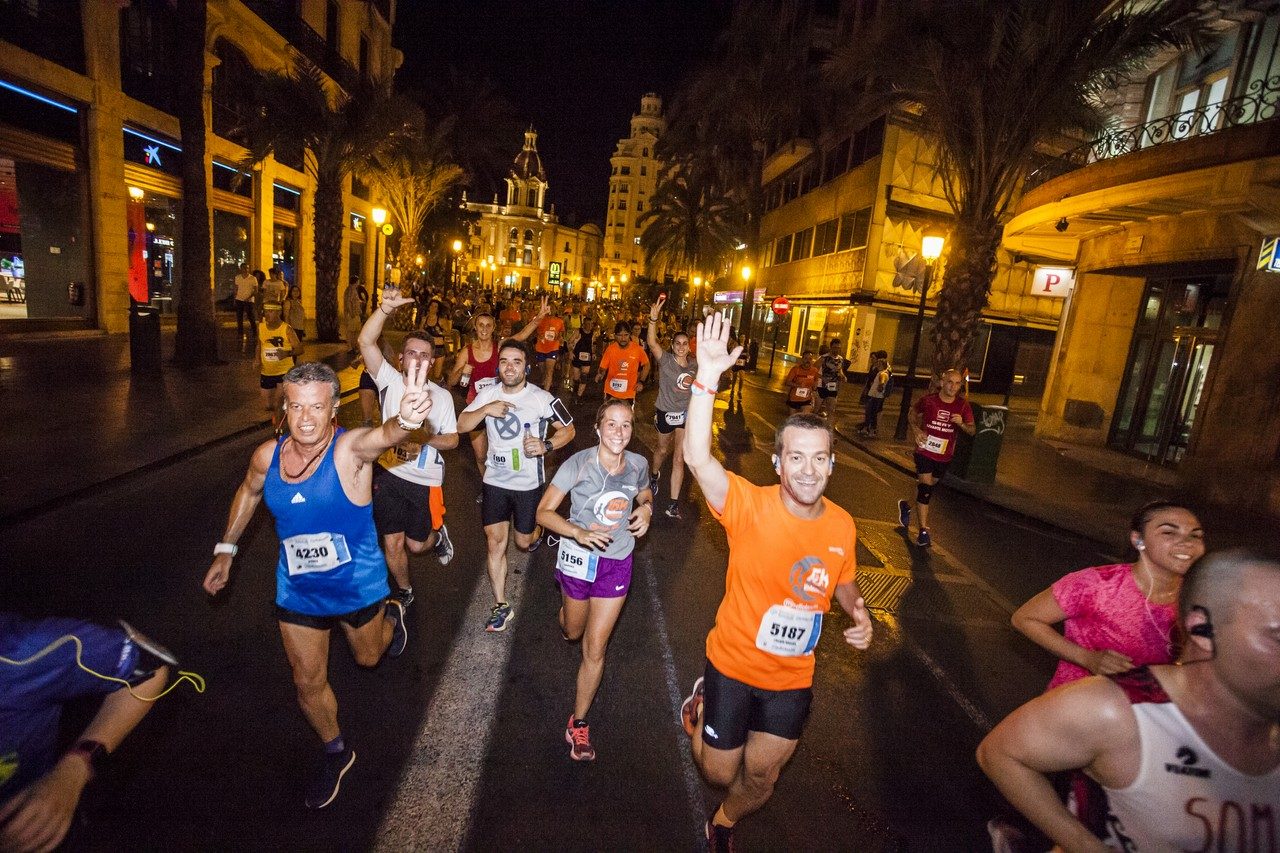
x=781, y=306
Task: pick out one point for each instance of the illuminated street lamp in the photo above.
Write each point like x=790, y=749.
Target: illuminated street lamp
x=457, y=263
x=379, y=217
x=930, y=250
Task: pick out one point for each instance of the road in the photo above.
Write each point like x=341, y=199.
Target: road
x=460, y=741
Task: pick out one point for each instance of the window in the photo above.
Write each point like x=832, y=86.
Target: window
x=148, y=47
x=567, y=249
x=234, y=80
x=639, y=206
x=782, y=250
x=803, y=245
x=853, y=229
x=622, y=204
x=359, y=188
x=616, y=256
x=646, y=154
x=528, y=236
x=528, y=256
x=644, y=170
x=624, y=187
x=626, y=170
x=514, y=235
x=511, y=255
x=615, y=171
x=824, y=239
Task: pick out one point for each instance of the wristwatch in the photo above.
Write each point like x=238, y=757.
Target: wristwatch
x=547, y=446
x=93, y=752
x=226, y=548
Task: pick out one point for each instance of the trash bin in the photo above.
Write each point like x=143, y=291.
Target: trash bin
x=144, y=338
x=976, y=457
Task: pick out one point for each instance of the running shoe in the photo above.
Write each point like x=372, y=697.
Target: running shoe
x=404, y=596
x=924, y=540
x=673, y=511
x=536, y=543
x=444, y=546
x=400, y=633
x=689, y=710
x=653, y=481
x=719, y=838
x=502, y=614
x=324, y=788
x=578, y=736
x=904, y=514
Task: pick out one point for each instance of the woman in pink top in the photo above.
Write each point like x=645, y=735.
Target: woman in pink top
x=1122, y=616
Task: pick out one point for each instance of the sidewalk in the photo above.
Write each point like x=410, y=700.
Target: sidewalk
x=1089, y=491
x=75, y=417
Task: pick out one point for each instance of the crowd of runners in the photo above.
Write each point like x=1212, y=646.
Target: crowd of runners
x=1159, y=731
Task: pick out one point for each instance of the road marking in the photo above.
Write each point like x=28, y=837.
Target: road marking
x=692, y=781
x=435, y=797
x=972, y=711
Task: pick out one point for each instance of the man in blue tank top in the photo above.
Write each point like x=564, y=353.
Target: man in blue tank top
x=318, y=483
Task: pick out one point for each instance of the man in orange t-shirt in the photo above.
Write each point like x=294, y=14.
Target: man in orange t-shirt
x=790, y=552
x=547, y=346
x=624, y=367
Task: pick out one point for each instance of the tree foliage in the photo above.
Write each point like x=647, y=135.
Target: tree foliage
x=693, y=221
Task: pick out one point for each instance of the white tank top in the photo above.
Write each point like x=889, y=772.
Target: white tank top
x=1186, y=797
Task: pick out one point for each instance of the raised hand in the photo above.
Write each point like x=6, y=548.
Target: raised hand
x=415, y=405
x=859, y=636
x=713, y=345
x=545, y=309
x=392, y=299
x=656, y=308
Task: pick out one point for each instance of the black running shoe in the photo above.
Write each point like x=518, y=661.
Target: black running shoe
x=904, y=514
x=404, y=596
x=324, y=788
x=444, y=546
x=719, y=838
x=400, y=633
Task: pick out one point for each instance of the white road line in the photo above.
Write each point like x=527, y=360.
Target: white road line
x=972, y=711
x=436, y=794
x=692, y=782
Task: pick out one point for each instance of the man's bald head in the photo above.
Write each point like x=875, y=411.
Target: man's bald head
x=1216, y=582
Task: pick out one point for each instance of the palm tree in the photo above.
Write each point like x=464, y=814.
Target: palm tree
x=340, y=132
x=693, y=221
x=992, y=80
x=196, y=341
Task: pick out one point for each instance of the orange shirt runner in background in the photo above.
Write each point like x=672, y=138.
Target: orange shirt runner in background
x=622, y=369
x=782, y=573
x=800, y=383
x=550, y=331
x=509, y=321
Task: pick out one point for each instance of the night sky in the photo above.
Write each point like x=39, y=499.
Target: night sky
x=575, y=69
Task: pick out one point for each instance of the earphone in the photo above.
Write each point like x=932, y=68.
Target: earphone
x=1205, y=628
x=1142, y=546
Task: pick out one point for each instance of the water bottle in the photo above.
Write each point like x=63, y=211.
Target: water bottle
x=515, y=452
x=465, y=379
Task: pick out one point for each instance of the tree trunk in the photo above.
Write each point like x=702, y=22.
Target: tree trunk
x=328, y=255
x=196, y=342
x=971, y=265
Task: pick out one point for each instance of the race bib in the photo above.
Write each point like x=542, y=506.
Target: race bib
x=675, y=419
x=788, y=631
x=577, y=562
x=487, y=382
x=273, y=354
x=584, y=357
x=618, y=385
x=934, y=444
x=407, y=451
x=506, y=460
x=549, y=335
x=315, y=552
x=802, y=393
x=833, y=386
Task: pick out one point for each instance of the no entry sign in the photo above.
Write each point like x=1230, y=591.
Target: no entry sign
x=781, y=305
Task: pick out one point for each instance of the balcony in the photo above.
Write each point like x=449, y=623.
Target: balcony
x=54, y=34
x=282, y=17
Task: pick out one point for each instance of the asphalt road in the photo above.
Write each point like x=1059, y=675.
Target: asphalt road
x=460, y=741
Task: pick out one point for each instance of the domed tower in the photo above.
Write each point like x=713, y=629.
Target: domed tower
x=527, y=183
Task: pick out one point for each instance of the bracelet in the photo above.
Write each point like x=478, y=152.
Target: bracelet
x=653, y=319
x=226, y=548
x=698, y=389
x=408, y=426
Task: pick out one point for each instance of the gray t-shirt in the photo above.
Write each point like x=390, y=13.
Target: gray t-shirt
x=599, y=501
x=674, y=382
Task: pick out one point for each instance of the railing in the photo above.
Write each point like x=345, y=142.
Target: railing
x=284, y=19
x=1258, y=104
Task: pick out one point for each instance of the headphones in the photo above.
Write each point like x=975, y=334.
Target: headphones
x=831, y=466
x=1141, y=545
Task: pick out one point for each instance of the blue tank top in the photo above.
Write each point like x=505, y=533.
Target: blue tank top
x=330, y=562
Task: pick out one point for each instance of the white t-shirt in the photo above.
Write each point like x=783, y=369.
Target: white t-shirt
x=245, y=285
x=507, y=466
x=411, y=459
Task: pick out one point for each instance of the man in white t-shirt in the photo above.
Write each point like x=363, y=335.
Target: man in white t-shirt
x=246, y=287
x=407, y=473
x=516, y=415
x=1188, y=754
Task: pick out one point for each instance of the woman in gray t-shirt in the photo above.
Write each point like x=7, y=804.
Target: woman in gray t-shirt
x=610, y=504
x=676, y=371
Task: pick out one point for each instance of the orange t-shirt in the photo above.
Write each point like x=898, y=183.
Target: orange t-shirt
x=622, y=369
x=800, y=383
x=550, y=330
x=508, y=319
x=782, y=573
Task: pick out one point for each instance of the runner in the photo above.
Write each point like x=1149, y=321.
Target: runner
x=934, y=420
x=583, y=355
x=879, y=385
x=802, y=379
x=278, y=346
x=477, y=367
x=624, y=367
x=790, y=551
x=832, y=365
x=406, y=475
x=515, y=415
x=676, y=370
x=593, y=566
x=318, y=483
x=1188, y=755
x=549, y=338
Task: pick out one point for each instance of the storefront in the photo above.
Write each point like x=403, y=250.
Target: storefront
x=232, y=201
x=151, y=172
x=287, y=202
x=45, y=246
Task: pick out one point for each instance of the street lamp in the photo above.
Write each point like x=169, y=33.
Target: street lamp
x=930, y=250
x=457, y=263
x=697, y=293
x=379, y=217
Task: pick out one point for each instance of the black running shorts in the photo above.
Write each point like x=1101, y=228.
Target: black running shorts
x=928, y=465
x=731, y=709
x=400, y=506
x=356, y=618
x=519, y=507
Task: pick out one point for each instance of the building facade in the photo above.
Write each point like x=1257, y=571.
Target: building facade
x=633, y=175
x=521, y=245
x=90, y=162
x=841, y=239
x=1168, y=350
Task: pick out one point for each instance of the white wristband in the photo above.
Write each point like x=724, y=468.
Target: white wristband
x=226, y=548
x=408, y=426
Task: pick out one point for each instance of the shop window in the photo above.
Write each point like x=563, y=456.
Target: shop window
x=284, y=251
x=286, y=197
x=155, y=228
x=44, y=240
x=230, y=250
